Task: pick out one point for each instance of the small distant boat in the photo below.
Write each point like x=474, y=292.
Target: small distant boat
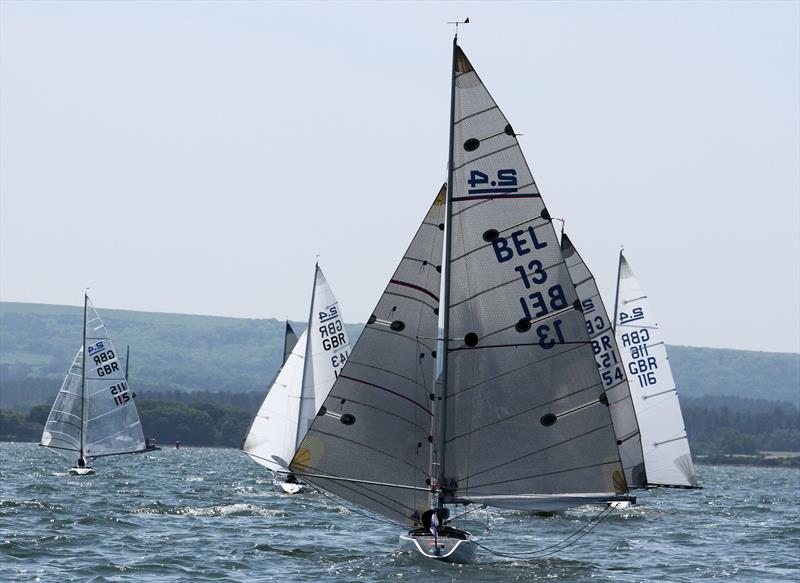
x=94, y=414
x=310, y=367
x=667, y=458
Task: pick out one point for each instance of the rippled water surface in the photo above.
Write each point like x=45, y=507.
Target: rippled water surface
x=210, y=515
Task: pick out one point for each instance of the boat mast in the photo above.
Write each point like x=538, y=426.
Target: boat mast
x=441, y=403
x=83, y=377
x=306, y=362
x=616, y=297
x=127, y=359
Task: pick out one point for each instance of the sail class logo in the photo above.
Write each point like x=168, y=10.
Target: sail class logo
x=636, y=314
x=96, y=347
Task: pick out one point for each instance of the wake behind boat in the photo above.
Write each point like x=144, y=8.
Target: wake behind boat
x=94, y=414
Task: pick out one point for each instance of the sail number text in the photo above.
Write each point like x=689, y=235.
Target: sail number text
x=642, y=366
x=333, y=338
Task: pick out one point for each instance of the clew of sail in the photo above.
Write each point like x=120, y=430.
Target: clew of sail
x=303, y=382
x=63, y=427
x=370, y=442
x=610, y=365
x=667, y=458
x=525, y=412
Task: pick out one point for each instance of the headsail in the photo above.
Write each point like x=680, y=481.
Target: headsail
x=64, y=424
x=525, y=413
x=303, y=382
x=667, y=458
x=289, y=341
x=271, y=439
x=373, y=432
x=609, y=363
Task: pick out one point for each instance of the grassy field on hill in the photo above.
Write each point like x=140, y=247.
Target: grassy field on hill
x=205, y=353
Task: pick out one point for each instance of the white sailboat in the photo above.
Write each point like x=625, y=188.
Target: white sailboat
x=311, y=365
x=668, y=461
x=94, y=414
x=520, y=418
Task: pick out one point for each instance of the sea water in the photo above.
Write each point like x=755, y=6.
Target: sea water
x=202, y=514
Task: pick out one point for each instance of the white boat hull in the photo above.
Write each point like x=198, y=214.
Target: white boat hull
x=290, y=487
x=80, y=471
x=458, y=547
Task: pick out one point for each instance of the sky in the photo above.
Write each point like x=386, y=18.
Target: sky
x=196, y=157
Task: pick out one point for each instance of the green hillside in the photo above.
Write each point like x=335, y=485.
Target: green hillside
x=205, y=353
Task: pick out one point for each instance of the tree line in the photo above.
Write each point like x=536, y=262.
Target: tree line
x=715, y=425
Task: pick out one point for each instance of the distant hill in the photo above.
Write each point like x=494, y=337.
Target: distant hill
x=207, y=353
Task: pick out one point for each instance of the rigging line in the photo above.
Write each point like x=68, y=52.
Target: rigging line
x=559, y=546
x=340, y=501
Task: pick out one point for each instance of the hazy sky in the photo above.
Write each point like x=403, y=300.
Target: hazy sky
x=195, y=157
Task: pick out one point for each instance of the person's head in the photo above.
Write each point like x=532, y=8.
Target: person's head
x=81, y=462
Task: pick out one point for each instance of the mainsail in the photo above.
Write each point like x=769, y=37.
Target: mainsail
x=303, y=383
x=526, y=422
x=667, y=458
x=94, y=413
x=371, y=442
x=609, y=363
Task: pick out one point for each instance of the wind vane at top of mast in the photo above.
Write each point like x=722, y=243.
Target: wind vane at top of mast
x=457, y=22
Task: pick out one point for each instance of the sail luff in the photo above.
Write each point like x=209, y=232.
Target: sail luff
x=84, y=402
x=440, y=406
x=308, y=364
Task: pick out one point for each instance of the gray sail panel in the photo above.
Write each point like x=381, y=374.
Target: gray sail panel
x=609, y=364
x=524, y=400
x=63, y=427
x=112, y=422
x=289, y=341
x=376, y=422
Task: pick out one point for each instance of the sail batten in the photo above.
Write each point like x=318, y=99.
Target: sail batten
x=667, y=458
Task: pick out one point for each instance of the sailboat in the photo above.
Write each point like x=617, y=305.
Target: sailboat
x=610, y=365
x=310, y=367
x=667, y=459
x=495, y=401
x=94, y=414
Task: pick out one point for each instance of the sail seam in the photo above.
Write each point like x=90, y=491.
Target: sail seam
x=526, y=411
x=395, y=393
x=553, y=473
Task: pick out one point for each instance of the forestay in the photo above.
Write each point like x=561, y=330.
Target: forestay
x=302, y=384
x=667, y=458
x=525, y=417
x=609, y=363
x=370, y=444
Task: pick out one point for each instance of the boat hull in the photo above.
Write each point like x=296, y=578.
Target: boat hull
x=80, y=471
x=454, y=546
x=291, y=487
